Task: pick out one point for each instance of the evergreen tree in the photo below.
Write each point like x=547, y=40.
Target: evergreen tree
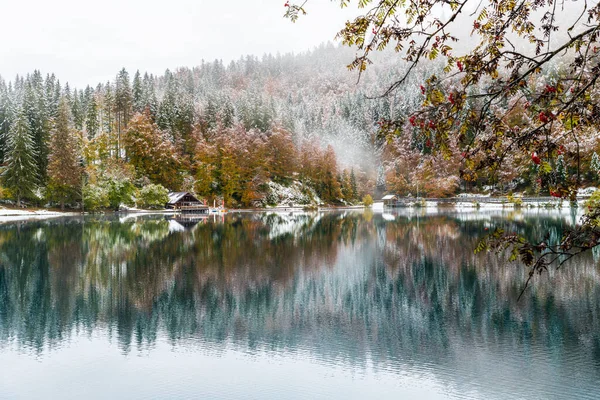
x=561, y=169
x=64, y=169
x=353, y=185
x=6, y=116
x=77, y=111
x=228, y=114
x=34, y=106
x=150, y=99
x=55, y=99
x=66, y=93
x=167, y=110
x=107, y=109
x=595, y=165
x=139, y=102
x=87, y=97
x=20, y=175
x=92, y=124
x=51, y=87
x=123, y=106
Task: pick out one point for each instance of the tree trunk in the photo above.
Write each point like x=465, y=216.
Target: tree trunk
x=62, y=205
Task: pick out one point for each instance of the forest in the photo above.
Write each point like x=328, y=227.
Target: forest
x=243, y=132
x=223, y=132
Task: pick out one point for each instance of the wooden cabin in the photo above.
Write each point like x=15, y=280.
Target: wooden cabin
x=389, y=200
x=186, y=202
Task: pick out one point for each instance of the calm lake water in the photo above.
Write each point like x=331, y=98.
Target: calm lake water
x=296, y=306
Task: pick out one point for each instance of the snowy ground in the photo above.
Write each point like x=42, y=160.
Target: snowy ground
x=8, y=214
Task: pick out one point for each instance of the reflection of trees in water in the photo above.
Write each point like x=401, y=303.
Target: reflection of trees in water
x=344, y=286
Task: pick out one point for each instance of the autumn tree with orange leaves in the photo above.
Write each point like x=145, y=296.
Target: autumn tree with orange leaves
x=151, y=152
x=64, y=166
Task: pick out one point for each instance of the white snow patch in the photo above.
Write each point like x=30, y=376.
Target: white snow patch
x=295, y=195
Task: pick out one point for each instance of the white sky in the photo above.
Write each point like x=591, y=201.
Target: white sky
x=86, y=42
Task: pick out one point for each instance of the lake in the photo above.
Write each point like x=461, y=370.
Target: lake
x=292, y=305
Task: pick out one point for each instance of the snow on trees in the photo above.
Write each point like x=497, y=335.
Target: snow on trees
x=21, y=173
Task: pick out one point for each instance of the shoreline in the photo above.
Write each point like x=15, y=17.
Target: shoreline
x=427, y=205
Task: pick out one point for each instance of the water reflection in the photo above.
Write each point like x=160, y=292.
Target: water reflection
x=390, y=292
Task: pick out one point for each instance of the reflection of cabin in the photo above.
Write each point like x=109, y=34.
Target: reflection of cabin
x=390, y=200
x=186, y=203
x=185, y=222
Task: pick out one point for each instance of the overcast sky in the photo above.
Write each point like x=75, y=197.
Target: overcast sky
x=86, y=42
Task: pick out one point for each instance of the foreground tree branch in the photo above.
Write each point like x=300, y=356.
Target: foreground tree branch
x=522, y=85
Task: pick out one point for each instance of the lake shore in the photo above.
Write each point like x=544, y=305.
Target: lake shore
x=17, y=214
x=457, y=203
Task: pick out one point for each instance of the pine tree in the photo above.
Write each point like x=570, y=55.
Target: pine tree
x=167, y=109
x=66, y=93
x=228, y=114
x=50, y=86
x=107, y=114
x=86, y=97
x=353, y=185
x=34, y=106
x=92, y=124
x=64, y=170
x=20, y=175
x=123, y=105
x=561, y=169
x=150, y=99
x=56, y=99
x=595, y=165
x=6, y=116
x=77, y=111
x=139, y=102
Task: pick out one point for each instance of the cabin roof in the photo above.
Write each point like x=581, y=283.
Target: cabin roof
x=174, y=197
x=389, y=197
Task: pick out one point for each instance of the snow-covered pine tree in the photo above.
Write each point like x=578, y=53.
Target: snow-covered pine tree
x=92, y=123
x=561, y=169
x=150, y=99
x=123, y=105
x=595, y=165
x=138, y=93
x=6, y=116
x=21, y=173
x=35, y=109
x=108, y=117
x=167, y=110
x=77, y=111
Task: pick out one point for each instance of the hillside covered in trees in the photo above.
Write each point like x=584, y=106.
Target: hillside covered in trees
x=220, y=131
x=243, y=132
